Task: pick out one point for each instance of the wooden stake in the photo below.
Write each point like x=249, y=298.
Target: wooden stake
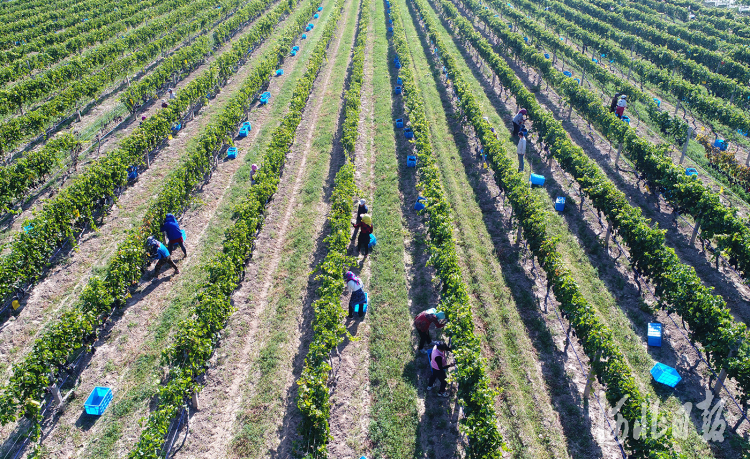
x=720, y=381
x=619, y=152
x=606, y=236
x=685, y=145
x=194, y=401
x=56, y=394
x=695, y=232
x=592, y=374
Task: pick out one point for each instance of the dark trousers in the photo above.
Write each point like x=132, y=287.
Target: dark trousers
x=162, y=262
x=358, y=297
x=516, y=129
x=424, y=338
x=438, y=374
x=363, y=244
x=177, y=243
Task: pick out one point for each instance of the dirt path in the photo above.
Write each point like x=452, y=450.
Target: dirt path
x=126, y=341
x=215, y=425
x=629, y=328
x=105, y=110
x=727, y=282
x=438, y=418
x=350, y=394
x=63, y=283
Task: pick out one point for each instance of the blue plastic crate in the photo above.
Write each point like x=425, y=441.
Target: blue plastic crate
x=560, y=204
x=399, y=81
x=295, y=48
x=419, y=205
x=411, y=161
x=293, y=53
x=397, y=89
x=316, y=15
x=567, y=73
x=304, y=35
x=247, y=125
x=546, y=55
x=320, y=8
x=400, y=123
x=690, y=171
x=536, y=179
x=665, y=374
x=98, y=401
x=232, y=153
x=408, y=133
x=264, y=97
x=279, y=72
x=626, y=119
x=373, y=242
x=654, y=334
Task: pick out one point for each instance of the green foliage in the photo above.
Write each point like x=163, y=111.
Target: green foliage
x=83, y=83
x=678, y=287
x=199, y=334
x=27, y=172
x=313, y=397
x=79, y=326
x=474, y=391
x=595, y=337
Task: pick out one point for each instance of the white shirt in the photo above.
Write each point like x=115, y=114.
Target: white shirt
x=353, y=286
x=521, y=149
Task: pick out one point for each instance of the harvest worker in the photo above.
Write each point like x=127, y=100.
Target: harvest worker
x=438, y=364
x=621, y=104
x=157, y=251
x=613, y=104
x=173, y=234
x=422, y=323
x=361, y=210
x=354, y=285
x=521, y=150
x=171, y=94
x=365, y=230
x=518, y=121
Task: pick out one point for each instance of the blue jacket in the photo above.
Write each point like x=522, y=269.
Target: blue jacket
x=171, y=227
x=161, y=252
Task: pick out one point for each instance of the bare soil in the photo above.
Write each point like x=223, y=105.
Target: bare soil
x=350, y=391
x=229, y=380
x=106, y=366
x=677, y=351
x=65, y=279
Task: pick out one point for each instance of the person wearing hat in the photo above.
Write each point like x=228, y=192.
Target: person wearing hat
x=621, y=104
x=143, y=118
x=171, y=93
x=518, y=121
x=438, y=362
x=521, y=150
x=365, y=230
x=158, y=252
x=422, y=323
x=613, y=104
x=171, y=228
x=354, y=285
x=361, y=210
